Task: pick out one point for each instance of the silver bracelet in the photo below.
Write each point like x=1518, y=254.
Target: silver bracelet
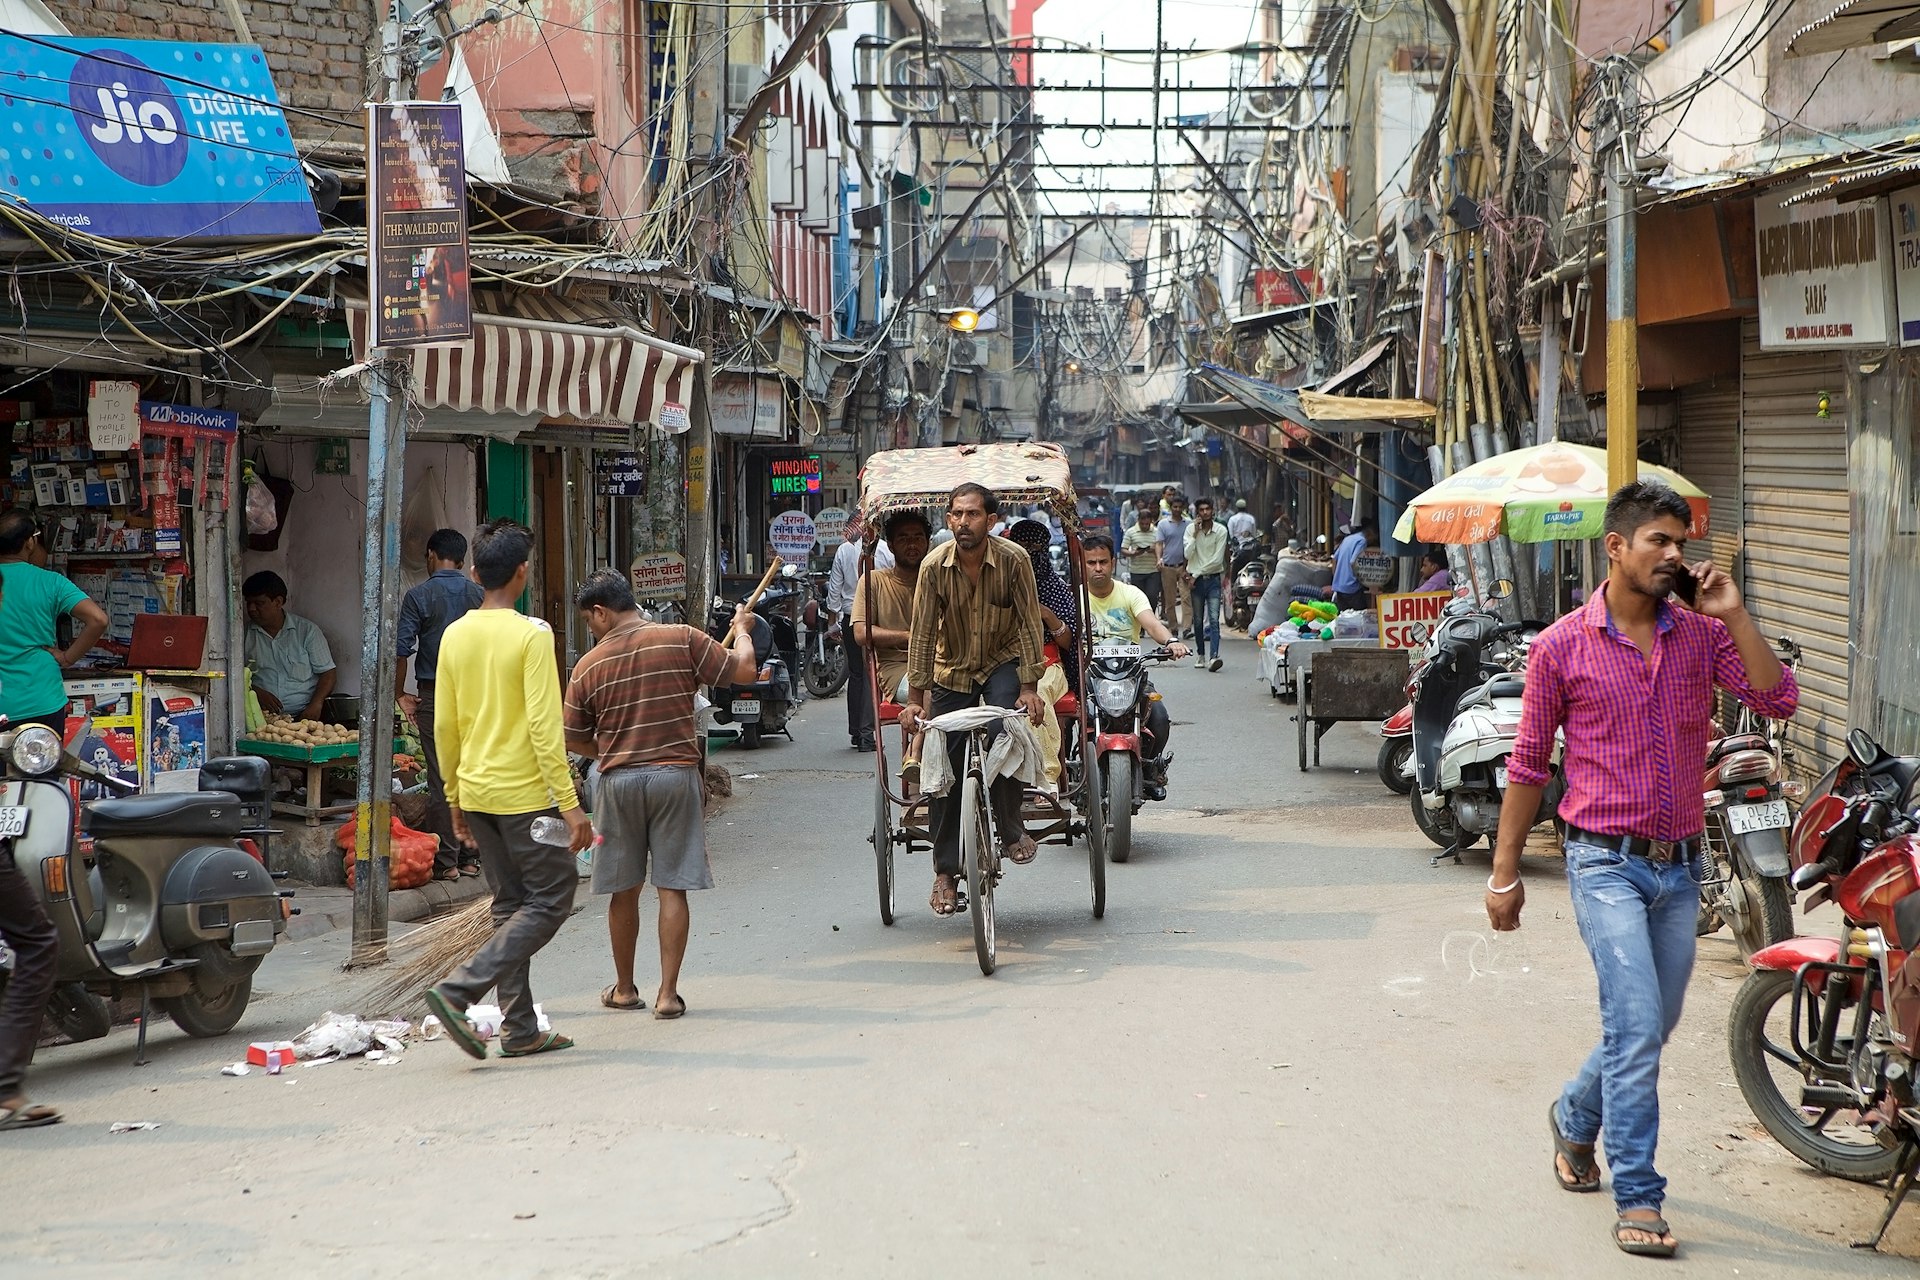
x=1509, y=889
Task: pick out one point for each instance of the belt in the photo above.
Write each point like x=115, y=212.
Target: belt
x=1640, y=846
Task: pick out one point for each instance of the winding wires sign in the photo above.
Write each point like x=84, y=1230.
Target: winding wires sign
x=417, y=219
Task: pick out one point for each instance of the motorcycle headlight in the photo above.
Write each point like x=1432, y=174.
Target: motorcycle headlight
x=1115, y=697
x=36, y=750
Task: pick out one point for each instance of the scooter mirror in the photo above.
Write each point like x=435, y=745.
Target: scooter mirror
x=1501, y=590
x=1862, y=747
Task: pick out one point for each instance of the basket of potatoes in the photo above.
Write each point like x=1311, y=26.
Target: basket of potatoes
x=306, y=735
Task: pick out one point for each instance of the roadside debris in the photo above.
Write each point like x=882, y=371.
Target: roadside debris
x=346, y=1035
x=132, y=1126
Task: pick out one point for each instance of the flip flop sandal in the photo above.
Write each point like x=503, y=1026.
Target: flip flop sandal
x=942, y=907
x=1644, y=1248
x=1021, y=851
x=451, y=873
x=612, y=1001
x=551, y=1042
x=1586, y=1174
x=454, y=1022
x=470, y=869
x=668, y=1015
x=29, y=1115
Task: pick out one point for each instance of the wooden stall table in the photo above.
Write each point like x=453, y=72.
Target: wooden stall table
x=314, y=761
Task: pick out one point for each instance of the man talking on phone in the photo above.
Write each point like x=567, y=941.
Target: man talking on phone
x=1630, y=677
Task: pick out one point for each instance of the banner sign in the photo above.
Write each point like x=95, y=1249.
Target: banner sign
x=149, y=139
x=1906, y=263
x=1374, y=569
x=1407, y=619
x=792, y=535
x=619, y=475
x=830, y=526
x=659, y=575
x=417, y=218
x=1825, y=274
x=791, y=477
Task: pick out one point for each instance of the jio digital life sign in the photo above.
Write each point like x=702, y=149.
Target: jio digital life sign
x=148, y=139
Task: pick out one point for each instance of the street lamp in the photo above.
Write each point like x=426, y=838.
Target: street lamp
x=961, y=319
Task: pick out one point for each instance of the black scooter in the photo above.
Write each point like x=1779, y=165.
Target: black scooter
x=765, y=706
x=165, y=903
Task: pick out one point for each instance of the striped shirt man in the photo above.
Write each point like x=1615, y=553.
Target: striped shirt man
x=962, y=631
x=633, y=693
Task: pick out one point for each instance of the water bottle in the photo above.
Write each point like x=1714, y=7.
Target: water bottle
x=550, y=830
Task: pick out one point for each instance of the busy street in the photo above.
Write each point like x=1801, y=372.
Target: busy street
x=1290, y=1048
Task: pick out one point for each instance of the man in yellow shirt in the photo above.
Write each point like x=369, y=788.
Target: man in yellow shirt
x=503, y=754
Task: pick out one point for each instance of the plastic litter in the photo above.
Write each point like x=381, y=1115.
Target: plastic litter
x=487, y=1018
x=346, y=1035
x=236, y=1069
x=132, y=1126
x=430, y=1028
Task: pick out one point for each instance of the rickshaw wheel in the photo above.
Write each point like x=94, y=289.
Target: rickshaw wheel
x=883, y=847
x=976, y=851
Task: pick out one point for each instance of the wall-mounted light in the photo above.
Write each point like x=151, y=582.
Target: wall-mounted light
x=961, y=319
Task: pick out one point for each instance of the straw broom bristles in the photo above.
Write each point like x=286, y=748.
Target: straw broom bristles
x=429, y=953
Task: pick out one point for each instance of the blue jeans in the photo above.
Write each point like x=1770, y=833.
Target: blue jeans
x=1637, y=918
x=1206, y=615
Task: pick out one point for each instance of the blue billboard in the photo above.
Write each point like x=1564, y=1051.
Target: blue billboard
x=148, y=139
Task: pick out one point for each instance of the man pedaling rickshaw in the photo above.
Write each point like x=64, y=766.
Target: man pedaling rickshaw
x=1119, y=612
x=977, y=636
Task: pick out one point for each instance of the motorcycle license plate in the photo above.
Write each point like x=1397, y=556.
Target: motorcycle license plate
x=746, y=707
x=1115, y=649
x=1743, y=819
x=13, y=821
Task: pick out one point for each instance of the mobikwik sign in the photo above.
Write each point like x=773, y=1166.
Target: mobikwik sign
x=148, y=139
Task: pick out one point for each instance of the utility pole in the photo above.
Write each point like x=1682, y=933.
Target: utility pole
x=707, y=137
x=1623, y=303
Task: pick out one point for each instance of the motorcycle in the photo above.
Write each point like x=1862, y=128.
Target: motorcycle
x=1395, y=761
x=1464, y=726
x=1746, y=793
x=765, y=706
x=1117, y=683
x=823, y=665
x=1824, y=1033
x=155, y=894
x=1251, y=567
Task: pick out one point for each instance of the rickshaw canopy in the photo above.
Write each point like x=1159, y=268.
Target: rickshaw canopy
x=1033, y=473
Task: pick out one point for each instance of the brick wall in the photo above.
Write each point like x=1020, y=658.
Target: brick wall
x=316, y=48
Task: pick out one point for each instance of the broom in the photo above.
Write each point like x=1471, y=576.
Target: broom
x=426, y=955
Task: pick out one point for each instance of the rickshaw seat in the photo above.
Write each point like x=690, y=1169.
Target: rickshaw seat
x=1067, y=707
x=889, y=713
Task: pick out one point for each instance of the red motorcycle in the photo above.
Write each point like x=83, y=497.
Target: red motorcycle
x=1825, y=1032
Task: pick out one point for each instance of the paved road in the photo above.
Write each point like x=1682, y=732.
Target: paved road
x=1290, y=1048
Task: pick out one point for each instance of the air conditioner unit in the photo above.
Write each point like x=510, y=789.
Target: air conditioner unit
x=963, y=352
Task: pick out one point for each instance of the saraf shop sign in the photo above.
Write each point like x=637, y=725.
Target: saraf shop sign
x=148, y=139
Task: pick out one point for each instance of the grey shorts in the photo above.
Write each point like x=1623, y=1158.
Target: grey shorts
x=651, y=812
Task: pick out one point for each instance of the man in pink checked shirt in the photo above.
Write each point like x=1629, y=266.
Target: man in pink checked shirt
x=1630, y=678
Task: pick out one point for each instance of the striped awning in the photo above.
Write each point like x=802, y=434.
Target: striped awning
x=1854, y=24
x=597, y=374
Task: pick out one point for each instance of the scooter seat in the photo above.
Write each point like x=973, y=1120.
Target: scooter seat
x=1724, y=747
x=1508, y=684
x=184, y=813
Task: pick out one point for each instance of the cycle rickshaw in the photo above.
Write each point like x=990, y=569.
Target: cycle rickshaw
x=1020, y=475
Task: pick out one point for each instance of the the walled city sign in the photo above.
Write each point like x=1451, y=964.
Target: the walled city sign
x=1825, y=273
x=417, y=268
x=148, y=139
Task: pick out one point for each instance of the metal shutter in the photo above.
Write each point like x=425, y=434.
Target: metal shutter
x=1710, y=457
x=1796, y=528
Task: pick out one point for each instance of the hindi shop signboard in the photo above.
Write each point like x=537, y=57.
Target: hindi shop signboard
x=792, y=535
x=149, y=139
x=1826, y=278
x=417, y=215
x=830, y=526
x=659, y=575
x=1407, y=619
x=1906, y=263
x=620, y=475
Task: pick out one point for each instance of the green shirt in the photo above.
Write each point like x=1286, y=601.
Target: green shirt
x=32, y=601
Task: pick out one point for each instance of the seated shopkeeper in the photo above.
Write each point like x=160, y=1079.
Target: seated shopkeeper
x=292, y=665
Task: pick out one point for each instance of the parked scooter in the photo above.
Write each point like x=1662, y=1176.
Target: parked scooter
x=1117, y=684
x=1746, y=792
x=823, y=661
x=164, y=902
x=1395, y=761
x=1251, y=566
x=1464, y=726
x=765, y=706
x=1825, y=1032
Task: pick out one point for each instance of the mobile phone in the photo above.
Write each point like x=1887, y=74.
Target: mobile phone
x=1685, y=585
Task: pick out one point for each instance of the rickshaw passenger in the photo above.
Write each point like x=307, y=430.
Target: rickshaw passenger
x=886, y=630
x=976, y=636
x=1060, y=615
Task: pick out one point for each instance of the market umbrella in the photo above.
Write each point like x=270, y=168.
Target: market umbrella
x=1548, y=493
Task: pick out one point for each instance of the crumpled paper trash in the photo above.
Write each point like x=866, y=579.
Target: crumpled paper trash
x=487, y=1018
x=236, y=1069
x=132, y=1126
x=346, y=1035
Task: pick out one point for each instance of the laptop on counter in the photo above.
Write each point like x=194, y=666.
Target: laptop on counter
x=168, y=642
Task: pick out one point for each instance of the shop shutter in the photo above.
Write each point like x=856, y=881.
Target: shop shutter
x=1710, y=457
x=1794, y=543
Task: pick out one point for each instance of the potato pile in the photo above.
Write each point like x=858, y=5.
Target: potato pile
x=306, y=733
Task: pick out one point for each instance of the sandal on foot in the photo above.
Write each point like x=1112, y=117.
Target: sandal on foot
x=1021, y=851
x=28, y=1115
x=454, y=1022
x=943, y=898
x=447, y=873
x=610, y=997
x=1586, y=1174
x=1644, y=1248
x=665, y=1014
x=469, y=868
x=551, y=1042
